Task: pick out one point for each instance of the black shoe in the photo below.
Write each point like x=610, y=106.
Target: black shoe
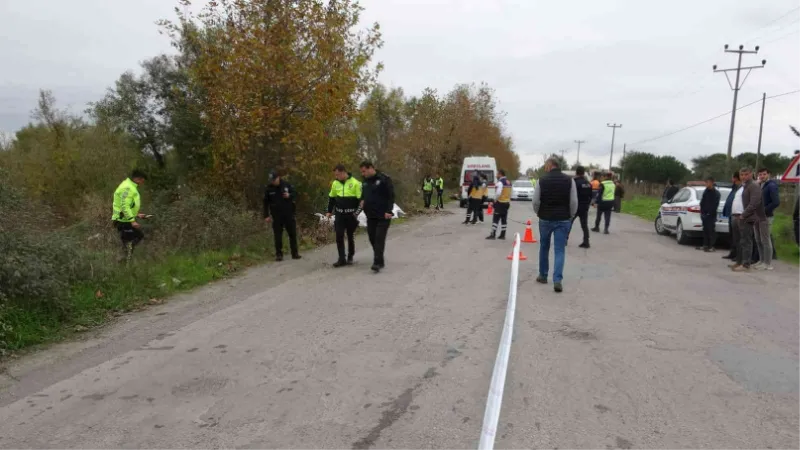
x=710, y=250
x=340, y=263
x=596, y=230
x=729, y=256
x=699, y=248
x=466, y=222
x=349, y=260
x=502, y=236
x=473, y=222
x=557, y=287
x=491, y=237
x=541, y=279
x=278, y=258
x=376, y=268
x=606, y=232
x=297, y=256
x=584, y=245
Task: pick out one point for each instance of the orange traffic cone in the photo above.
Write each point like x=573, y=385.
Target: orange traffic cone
x=490, y=210
x=522, y=256
x=529, y=234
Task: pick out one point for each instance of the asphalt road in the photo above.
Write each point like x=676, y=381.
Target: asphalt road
x=650, y=345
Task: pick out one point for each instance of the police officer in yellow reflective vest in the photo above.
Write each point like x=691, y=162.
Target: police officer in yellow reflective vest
x=344, y=200
x=502, y=203
x=605, y=202
x=125, y=212
x=438, y=183
x=427, y=190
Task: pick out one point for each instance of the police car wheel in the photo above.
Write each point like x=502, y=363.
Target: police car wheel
x=680, y=235
x=659, y=224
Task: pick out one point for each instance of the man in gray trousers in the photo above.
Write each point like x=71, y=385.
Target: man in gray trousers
x=753, y=218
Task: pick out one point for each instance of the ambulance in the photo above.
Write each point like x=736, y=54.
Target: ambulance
x=484, y=165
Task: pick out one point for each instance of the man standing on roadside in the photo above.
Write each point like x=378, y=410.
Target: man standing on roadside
x=605, y=203
x=727, y=211
x=427, y=190
x=584, y=189
x=502, y=203
x=279, y=209
x=753, y=212
x=344, y=200
x=378, y=206
x=438, y=183
x=555, y=201
x=769, y=188
x=669, y=192
x=474, y=198
x=709, y=203
x=619, y=194
x=125, y=211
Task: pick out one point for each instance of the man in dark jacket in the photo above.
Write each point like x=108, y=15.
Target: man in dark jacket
x=727, y=211
x=555, y=202
x=619, y=194
x=344, y=200
x=279, y=209
x=796, y=219
x=769, y=188
x=378, y=206
x=669, y=192
x=709, y=203
x=753, y=203
x=584, y=188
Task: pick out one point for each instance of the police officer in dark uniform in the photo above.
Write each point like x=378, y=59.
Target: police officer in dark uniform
x=344, y=200
x=279, y=209
x=585, y=195
x=378, y=205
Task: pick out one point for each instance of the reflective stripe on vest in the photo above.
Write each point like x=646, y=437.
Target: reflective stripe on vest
x=608, y=190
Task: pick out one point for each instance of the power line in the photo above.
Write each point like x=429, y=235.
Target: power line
x=711, y=119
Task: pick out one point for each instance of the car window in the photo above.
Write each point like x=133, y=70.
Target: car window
x=487, y=173
x=723, y=194
x=682, y=196
x=522, y=184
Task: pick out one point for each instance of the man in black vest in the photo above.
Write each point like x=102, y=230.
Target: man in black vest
x=584, y=188
x=555, y=201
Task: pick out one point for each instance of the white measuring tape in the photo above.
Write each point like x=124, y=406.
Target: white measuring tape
x=495, y=399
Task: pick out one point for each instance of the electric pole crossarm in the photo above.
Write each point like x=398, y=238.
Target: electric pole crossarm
x=734, y=69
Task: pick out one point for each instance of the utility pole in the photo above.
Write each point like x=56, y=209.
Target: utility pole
x=624, y=147
x=735, y=87
x=760, y=129
x=613, y=134
x=578, y=160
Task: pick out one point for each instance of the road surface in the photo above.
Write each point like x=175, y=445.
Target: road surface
x=650, y=345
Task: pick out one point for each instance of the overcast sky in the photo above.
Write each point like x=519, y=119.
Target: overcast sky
x=561, y=70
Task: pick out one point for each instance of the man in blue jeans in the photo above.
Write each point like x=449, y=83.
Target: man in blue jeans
x=555, y=202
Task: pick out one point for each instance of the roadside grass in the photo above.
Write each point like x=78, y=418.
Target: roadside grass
x=145, y=282
x=641, y=206
x=647, y=208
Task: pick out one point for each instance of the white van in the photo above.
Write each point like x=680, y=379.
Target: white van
x=485, y=165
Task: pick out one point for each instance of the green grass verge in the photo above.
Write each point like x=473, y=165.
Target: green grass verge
x=90, y=304
x=787, y=250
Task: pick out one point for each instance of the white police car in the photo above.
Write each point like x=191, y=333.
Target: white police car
x=681, y=215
